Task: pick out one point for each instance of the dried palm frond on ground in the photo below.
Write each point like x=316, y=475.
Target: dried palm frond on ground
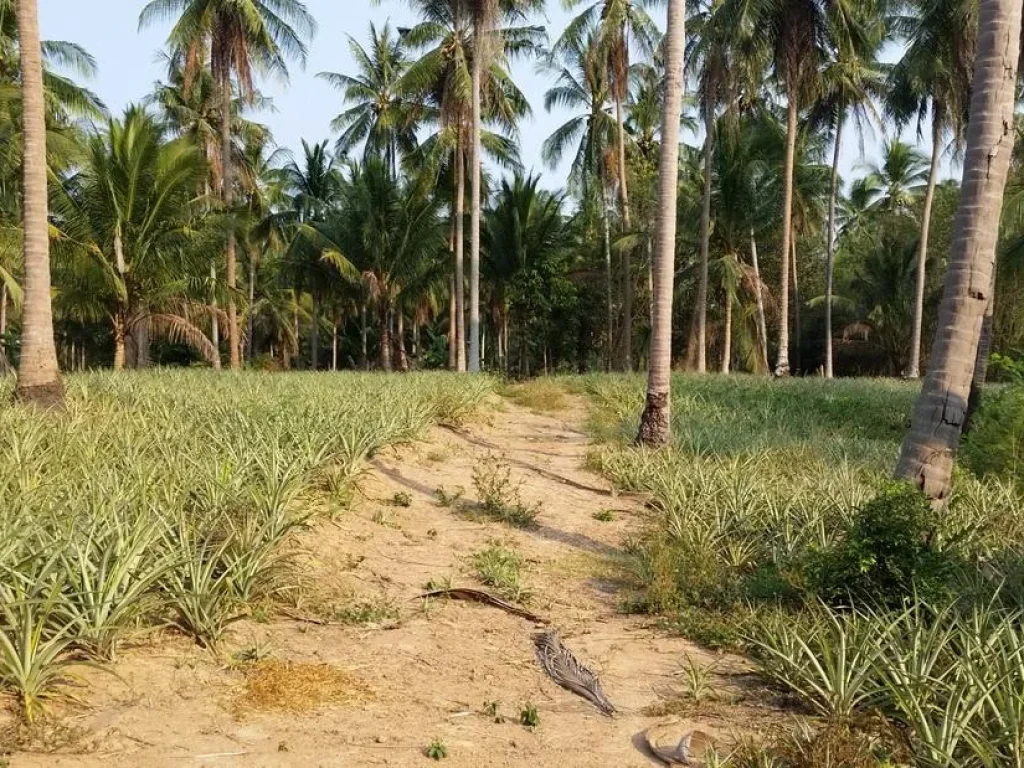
x=478, y=596
x=564, y=669
x=294, y=686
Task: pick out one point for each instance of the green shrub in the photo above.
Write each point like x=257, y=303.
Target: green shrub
x=890, y=551
x=995, y=444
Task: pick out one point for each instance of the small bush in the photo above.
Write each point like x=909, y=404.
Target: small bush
x=501, y=568
x=436, y=750
x=890, y=551
x=501, y=497
x=528, y=716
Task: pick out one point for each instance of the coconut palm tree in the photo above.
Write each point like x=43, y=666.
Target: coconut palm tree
x=655, y=422
x=623, y=28
x=238, y=38
x=39, y=381
x=131, y=210
x=850, y=83
x=930, y=448
x=380, y=116
x=934, y=75
x=899, y=179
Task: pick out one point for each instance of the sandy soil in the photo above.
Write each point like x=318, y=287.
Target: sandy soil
x=424, y=670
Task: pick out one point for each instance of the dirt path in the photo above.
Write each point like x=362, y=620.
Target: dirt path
x=424, y=671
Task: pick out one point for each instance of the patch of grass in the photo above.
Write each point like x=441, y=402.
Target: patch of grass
x=499, y=496
x=296, y=687
x=374, y=611
x=501, y=568
x=492, y=709
x=436, y=750
x=401, y=499
x=604, y=515
x=543, y=394
x=528, y=716
x=446, y=498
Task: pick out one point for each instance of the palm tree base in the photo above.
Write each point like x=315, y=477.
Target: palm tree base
x=654, y=422
x=49, y=396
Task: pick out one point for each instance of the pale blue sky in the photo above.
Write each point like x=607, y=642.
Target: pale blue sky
x=128, y=67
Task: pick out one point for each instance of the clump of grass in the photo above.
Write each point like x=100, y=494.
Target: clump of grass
x=436, y=750
x=544, y=394
x=448, y=498
x=500, y=497
x=528, y=716
x=492, y=709
x=296, y=687
x=401, y=499
x=371, y=611
x=604, y=515
x=501, y=568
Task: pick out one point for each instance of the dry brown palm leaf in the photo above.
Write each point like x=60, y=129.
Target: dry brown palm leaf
x=668, y=746
x=477, y=596
x=564, y=669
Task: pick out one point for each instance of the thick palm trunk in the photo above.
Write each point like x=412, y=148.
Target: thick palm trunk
x=214, y=319
x=830, y=256
x=929, y=450
x=385, y=338
x=39, y=381
x=401, y=356
x=627, y=260
x=762, y=325
x=982, y=359
x=705, y=238
x=655, y=420
x=227, y=195
x=119, y=330
x=460, y=241
x=782, y=361
x=914, y=371
x=474, y=217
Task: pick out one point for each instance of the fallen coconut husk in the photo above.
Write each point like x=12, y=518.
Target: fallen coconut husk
x=666, y=743
x=564, y=669
x=477, y=596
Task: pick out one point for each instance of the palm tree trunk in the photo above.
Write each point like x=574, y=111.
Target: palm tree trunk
x=782, y=361
x=982, y=359
x=914, y=371
x=119, y=332
x=400, y=353
x=830, y=256
x=650, y=283
x=416, y=351
x=334, y=346
x=705, y=238
x=796, y=308
x=364, y=332
x=609, y=283
x=930, y=448
x=226, y=193
x=314, y=335
x=460, y=242
x=627, y=265
x=505, y=335
x=474, y=220
x=727, y=336
x=250, y=330
x=214, y=319
x=452, y=332
x=655, y=420
x=39, y=381
x=3, y=319
x=385, y=337
x=762, y=326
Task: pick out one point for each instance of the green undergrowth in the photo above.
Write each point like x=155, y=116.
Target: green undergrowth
x=172, y=498
x=775, y=529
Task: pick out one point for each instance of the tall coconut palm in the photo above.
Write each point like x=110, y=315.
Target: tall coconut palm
x=241, y=37
x=623, y=29
x=655, y=424
x=131, y=209
x=934, y=75
x=582, y=86
x=39, y=381
x=899, y=179
x=930, y=448
x=380, y=115
x=851, y=80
